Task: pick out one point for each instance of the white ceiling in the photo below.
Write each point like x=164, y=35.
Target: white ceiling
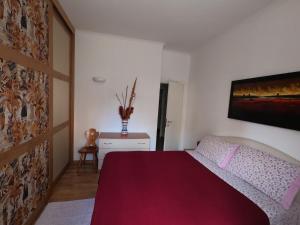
x=180, y=24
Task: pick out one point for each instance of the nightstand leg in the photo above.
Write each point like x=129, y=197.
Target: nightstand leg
x=84, y=158
x=80, y=162
x=96, y=161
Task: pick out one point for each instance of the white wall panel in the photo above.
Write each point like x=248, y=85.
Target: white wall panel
x=119, y=60
x=265, y=44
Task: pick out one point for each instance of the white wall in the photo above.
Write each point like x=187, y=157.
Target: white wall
x=265, y=44
x=176, y=67
x=119, y=60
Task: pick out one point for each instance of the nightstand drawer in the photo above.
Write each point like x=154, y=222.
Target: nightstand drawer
x=124, y=144
x=103, y=152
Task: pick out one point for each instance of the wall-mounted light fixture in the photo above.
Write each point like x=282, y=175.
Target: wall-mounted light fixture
x=99, y=80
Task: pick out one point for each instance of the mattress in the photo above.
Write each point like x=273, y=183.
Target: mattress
x=276, y=213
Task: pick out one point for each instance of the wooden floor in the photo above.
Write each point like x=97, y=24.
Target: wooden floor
x=75, y=185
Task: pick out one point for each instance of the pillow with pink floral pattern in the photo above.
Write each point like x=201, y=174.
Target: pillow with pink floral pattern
x=277, y=178
x=217, y=150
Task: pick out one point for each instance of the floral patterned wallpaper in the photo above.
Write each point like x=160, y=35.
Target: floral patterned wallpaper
x=24, y=109
x=24, y=105
x=24, y=27
x=23, y=185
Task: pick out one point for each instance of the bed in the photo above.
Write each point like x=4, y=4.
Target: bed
x=182, y=188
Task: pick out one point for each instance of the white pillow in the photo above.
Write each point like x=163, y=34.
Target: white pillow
x=217, y=150
x=275, y=177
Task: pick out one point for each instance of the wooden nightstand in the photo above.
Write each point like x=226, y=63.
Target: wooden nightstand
x=109, y=142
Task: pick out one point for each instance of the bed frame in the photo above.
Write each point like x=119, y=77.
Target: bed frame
x=264, y=148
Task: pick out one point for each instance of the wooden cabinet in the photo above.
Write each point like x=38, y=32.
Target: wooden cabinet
x=109, y=142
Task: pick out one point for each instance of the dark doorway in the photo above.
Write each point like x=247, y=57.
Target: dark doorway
x=161, y=121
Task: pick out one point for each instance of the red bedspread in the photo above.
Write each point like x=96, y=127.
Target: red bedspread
x=167, y=188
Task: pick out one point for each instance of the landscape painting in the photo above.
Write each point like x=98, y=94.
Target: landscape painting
x=271, y=100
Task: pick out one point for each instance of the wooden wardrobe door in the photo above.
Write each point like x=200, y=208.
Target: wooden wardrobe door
x=62, y=44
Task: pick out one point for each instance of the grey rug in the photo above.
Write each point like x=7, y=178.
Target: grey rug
x=77, y=212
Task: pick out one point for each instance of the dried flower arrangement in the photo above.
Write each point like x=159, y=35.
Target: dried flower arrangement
x=125, y=110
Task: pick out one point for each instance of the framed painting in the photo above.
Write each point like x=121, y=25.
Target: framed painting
x=271, y=100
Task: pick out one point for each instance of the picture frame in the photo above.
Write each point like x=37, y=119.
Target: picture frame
x=271, y=100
